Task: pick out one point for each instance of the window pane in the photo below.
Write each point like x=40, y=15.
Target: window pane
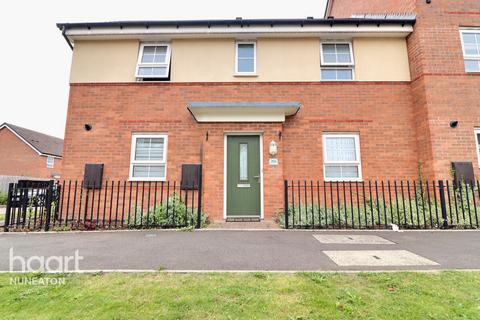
x=349, y=172
x=343, y=48
x=160, y=58
x=471, y=49
x=154, y=54
x=149, y=171
x=468, y=38
x=472, y=65
x=341, y=172
x=333, y=172
x=243, y=161
x=328, y=48
x=329, y=74
x=149, y=149
x=140, y=171
x=337, y=74
x=340, y=149
x=246, y=50
x=157, y=171
x=142, y=149
x=152, y=71
x=344, y=58
x=149, y=50
x=336, y=53
x=329, y=58
x=147, y=58
x=246, y=65
x=344, y=74
x=159, y=71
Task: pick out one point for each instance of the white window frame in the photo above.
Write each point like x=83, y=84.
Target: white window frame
x=165, y=64
x=358, y=162
x=477, y=144
x=238, y=73
x=465, y=56
x=133, y=162
x=335, y=65
x=50, y=165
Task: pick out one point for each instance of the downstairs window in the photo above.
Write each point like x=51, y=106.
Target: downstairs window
x=148, y=160
x=341, y=157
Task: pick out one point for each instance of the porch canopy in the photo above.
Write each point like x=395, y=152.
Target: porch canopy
x=242, y=111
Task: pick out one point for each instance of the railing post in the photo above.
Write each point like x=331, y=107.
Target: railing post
x=48, y=204
x=6, y=223
x=443, y=204
x=199, y=204
x=286, y=202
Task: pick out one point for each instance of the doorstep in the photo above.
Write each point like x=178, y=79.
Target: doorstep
x=262, y=224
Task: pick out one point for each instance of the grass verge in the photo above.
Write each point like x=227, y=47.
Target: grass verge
x=444, y=295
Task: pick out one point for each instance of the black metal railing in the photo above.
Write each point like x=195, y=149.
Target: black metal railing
x=75, y=205
x=379, y=204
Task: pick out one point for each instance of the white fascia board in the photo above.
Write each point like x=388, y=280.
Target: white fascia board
x=235, y=31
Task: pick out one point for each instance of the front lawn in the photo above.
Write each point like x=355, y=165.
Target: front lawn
x=446, y=295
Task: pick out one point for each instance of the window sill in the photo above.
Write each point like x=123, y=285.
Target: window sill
x=245, y=75
x=344, y=180
x=147, y=179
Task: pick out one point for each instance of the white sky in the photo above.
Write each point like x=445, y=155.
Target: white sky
x=35, y=59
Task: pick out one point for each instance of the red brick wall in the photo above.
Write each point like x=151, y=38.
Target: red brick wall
x=380, y=112
x=345, y=8
x=18, y=159
x=441, y=90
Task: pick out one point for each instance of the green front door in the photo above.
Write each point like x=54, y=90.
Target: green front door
x=243, y=176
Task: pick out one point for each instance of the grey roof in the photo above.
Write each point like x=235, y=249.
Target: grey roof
x=244, y=104
x=41, y=142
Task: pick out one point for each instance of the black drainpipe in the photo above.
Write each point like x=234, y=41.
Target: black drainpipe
x=66, y=38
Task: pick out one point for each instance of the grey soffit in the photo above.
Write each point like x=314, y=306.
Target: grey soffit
x=43, y=143
x=242, y=111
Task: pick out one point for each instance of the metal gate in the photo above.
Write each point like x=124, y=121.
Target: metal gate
x=30, y=205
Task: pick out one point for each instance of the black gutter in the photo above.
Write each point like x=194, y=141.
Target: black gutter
x=237, y=22
x=66, y=38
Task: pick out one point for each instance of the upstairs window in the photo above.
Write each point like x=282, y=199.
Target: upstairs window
x=471, y=50
x=245, y=63
x=50, y=162
x=341, y=153
x=153, y=61
x=337, y=61
x=148, y=160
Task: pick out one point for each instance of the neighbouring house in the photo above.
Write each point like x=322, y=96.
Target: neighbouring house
x=368, y=92
x=28, y=153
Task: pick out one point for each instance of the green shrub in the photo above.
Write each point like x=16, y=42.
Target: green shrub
x=420, y=210
x=174, y=213
x=3, y=198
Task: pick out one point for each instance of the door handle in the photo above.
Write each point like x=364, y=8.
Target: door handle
x=257, y=177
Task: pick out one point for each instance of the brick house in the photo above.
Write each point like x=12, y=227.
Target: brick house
x=28, y=153
x=351, y=97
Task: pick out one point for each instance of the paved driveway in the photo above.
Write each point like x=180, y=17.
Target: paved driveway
x=245, y=250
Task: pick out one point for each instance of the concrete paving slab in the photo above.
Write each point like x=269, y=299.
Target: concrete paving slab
x=378, y=258
x=350, y=239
